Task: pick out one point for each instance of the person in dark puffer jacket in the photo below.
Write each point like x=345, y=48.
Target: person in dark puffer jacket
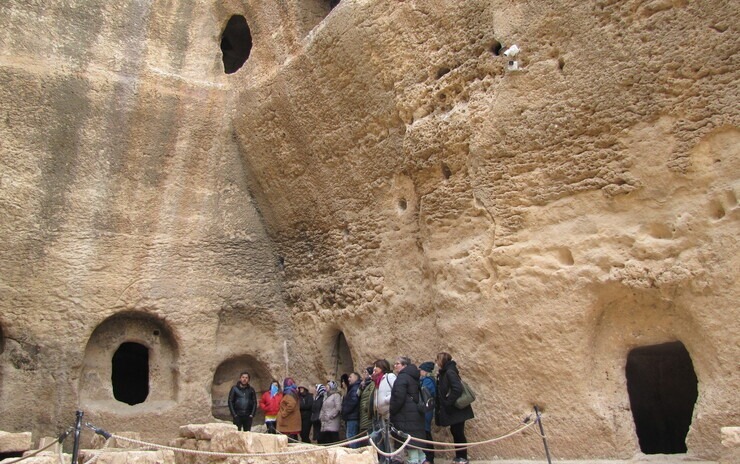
x=405, y=415
x=351, y=408
x=449, y=389
x=306, y=408
x=243, y=403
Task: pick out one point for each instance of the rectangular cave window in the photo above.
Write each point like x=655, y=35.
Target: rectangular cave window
x=130, y=375
x=662, y=387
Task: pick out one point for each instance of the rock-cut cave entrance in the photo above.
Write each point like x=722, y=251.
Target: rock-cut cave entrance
x=340, y=360
x=227, y=373
x=236, y=44
x=130, y=373
x=662, y=388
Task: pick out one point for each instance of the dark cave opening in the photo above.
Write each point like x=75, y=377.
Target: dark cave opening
x=662, y=388
x=130, y=376
x=236, y=44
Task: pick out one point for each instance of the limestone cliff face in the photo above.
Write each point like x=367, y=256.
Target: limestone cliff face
x=379, y=170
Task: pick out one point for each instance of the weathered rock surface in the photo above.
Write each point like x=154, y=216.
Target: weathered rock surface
x=376, y=170
x=15, y=442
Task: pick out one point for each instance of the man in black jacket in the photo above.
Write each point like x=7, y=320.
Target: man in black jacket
x=243, y=403
x=351, y=407
x=405, y=415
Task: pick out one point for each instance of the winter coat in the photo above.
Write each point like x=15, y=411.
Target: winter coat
x=382, y=396
x=316, y=408
x=366, y=410
x=306, y=406
x=449, y=388
x=271, y=405
x=430, y=385
x=289, y=416
x=405, y=415
x=351, y=403
x=330, y=412
x=242, y=400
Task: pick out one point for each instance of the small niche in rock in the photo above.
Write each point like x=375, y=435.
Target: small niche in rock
x=716, y=210
x=496, y=48
x=130, y=373
x=446, y=173
x=442, y=71
x=561, y=63
x=236, y=43
x=402, y=204
x=281, y=263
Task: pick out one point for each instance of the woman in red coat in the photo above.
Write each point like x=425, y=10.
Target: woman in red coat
x=270, y=404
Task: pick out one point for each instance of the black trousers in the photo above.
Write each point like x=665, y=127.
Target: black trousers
x=429, y=454
x=271, y=426
x=306, y=429
x=458, y=436
x=327, y=438
x=243, y=423
x=316, y=430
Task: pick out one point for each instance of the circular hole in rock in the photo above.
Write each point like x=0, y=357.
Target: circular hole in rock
x=496, y=48
x=236, y=44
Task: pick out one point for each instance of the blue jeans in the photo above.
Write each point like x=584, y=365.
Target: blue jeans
x=353, y=428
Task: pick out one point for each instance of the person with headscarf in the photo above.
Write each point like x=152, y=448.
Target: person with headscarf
x=289, y=415
x=270, y=404
x=306, y=405
x=330, y=412
x=318, y=402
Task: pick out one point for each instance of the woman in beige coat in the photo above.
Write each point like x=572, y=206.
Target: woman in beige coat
x=289, y=417
x=330, y=412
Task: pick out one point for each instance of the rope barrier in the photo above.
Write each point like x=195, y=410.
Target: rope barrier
x=243, y=455
x=461, y=446
x=395, y=453
x=59, y=440
x=361, y=437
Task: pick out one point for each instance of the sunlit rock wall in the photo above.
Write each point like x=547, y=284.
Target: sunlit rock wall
x=379, y=170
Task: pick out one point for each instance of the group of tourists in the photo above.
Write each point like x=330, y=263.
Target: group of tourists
x=387, y=403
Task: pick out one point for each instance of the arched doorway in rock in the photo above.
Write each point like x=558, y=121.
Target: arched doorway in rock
x=130, y=358
x=236, y=43
x=339, y=359
x=662, y=388
x=225, y=377
x=130, y=373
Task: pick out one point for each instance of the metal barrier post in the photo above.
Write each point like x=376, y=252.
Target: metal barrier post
x=78, y=429
x=542, y=432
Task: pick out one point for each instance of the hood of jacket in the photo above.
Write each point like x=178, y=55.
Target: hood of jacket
x=450, y=366
x=412, y=371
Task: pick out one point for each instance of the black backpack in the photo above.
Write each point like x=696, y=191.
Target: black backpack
x=426, y=400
